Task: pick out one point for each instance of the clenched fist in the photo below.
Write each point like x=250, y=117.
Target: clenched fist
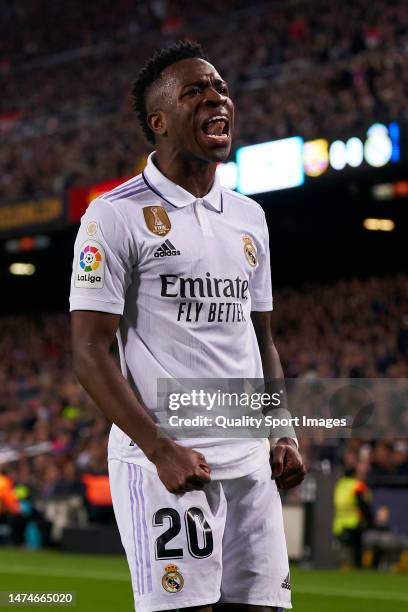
x=287, y=464
x=181, y=469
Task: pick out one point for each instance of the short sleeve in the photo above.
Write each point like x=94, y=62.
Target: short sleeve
x=260, y=285
x=104, y=257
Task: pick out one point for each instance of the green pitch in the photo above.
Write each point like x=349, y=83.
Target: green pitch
x=101, y=584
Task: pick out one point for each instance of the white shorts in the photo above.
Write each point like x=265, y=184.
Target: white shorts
x=225, y=543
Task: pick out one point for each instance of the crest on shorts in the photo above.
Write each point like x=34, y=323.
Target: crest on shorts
x=172, y=580
x=250, y=250
x=157, y=220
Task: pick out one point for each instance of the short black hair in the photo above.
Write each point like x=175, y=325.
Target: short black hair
x=152, y=70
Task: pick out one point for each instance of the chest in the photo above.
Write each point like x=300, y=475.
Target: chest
x=194, y=240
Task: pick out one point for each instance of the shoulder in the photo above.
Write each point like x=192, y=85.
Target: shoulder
x=128, y=189
x=242, y=200
x=121, y=201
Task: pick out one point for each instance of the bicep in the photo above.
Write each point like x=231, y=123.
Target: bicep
x=262, y=321
x=90, y=329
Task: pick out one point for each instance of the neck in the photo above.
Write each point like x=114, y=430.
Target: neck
x=194, y=175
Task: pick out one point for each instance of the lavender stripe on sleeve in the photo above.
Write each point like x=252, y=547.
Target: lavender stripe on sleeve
x=133, y=183
x=127, y=194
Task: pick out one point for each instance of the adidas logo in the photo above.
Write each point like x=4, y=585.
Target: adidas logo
x=167, y=249
x=286, y=583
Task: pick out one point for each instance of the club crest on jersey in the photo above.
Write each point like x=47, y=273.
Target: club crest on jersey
x=157, y=220
x=90, y=268
x=250, y=250
x=172, y=580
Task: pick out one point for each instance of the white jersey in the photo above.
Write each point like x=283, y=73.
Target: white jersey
x=184, y=273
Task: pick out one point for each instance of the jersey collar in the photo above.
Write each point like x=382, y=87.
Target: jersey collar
x=176, y=195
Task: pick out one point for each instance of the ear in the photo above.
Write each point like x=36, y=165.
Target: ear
x=157, y=123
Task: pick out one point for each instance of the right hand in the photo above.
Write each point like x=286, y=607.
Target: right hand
x=181, y=469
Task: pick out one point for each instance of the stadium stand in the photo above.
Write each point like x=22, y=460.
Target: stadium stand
x=64, y=129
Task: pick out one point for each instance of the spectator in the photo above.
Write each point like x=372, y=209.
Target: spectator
x=96, y=481
x=352, y=511
x=9, y=504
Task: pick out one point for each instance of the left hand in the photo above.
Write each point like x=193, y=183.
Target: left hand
x=287, y=465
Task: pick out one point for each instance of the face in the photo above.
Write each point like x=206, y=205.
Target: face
x=194, y=114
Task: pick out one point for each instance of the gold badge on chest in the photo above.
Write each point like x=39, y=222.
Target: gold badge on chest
x=157, y=219
x=250, y=250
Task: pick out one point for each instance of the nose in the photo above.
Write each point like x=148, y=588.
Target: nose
x=215, y=97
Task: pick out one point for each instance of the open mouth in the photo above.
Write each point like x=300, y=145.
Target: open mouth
x=217, y=129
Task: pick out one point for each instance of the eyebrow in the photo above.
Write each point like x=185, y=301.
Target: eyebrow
x=204, y=81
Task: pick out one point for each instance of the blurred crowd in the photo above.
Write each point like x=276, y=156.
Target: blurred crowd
x=356, y=328
x=53, y=439
x=308, y=67
x=351, y=329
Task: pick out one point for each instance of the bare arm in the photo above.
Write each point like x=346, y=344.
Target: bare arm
x=93, y=333
x=271, y=364
x=287, y=465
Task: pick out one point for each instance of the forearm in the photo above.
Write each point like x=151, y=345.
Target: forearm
x=275, y=383
x=101, y=377
x=271, y=363
x=274, y=380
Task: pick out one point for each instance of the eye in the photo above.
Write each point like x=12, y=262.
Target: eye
x=222, y=89
x=194, y=91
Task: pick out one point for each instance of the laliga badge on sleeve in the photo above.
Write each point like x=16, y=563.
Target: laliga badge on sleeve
x=90, y=267
x=157, y=220
x=172, y=580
